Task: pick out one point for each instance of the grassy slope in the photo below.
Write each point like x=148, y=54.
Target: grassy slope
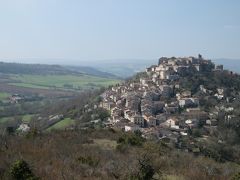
x=27, y=118
x=62, y=124
x=41, y=81
x=62, y=151
x=6, y=119
x=3, y=95
x=30, y=85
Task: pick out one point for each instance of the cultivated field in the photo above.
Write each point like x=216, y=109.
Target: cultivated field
x=62, y=124
x=4, y=95
x=65, y=82
x=38, y=88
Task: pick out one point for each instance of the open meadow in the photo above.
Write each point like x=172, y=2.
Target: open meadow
x=65, y=82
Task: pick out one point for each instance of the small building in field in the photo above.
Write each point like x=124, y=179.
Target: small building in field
x=23, y=127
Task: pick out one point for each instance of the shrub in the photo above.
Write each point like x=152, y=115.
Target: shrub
x=32, y=133
x=196, y=133
x=122, y=148
x=131, y=139
x=93, y=162
x=145, y=171
x=20, y=170
x=236, y=176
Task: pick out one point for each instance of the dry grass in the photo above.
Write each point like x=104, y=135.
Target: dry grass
x=55, y=156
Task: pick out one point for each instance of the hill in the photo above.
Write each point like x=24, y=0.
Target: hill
x=41, y=76
x=177, y=120
x=190, y=101
x=44, y=69
x=103, y=154
x=123, y=67
x=26, y=89
x=35, y=69
x=128, y=67
x=92, y=71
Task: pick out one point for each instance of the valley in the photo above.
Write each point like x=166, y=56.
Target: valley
x=24, y=86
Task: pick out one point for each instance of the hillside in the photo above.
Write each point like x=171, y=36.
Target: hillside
x=40, y=76
x=103, y=154
x=27, y=91
x=123, y=67
x=92, y=71
x=189, y=101
x=177, y=120
x=128, y=67
x=44, y=69
x=36, y=69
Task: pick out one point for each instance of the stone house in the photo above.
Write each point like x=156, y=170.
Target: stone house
x=188, y=102
x=137, y=119
x=166, y=90
x=151, y=121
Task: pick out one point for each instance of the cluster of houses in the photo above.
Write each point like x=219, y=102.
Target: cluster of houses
x=156, y=104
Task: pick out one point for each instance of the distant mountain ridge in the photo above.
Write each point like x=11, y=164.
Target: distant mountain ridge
x=91, y=71
x=117, y=67
x=43, y=69
x=127, y=68
x=35, y=69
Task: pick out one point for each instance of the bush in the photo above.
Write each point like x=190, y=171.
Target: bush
x=20, y=171
x=131, y=139
x=122, y=148
x=145, y=171
x=196, y=133
x=236, y=177
x=32, y=133
x=103, y=114
x=88, y=160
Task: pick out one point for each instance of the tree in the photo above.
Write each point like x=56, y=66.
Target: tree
x=146, y=170
x=103, y=114
x=236, y=177
x=20, y=170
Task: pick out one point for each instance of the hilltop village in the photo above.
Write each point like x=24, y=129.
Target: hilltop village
x=158, y=105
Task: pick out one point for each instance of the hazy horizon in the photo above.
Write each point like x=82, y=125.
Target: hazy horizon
x=120, y=67
x=69, y=61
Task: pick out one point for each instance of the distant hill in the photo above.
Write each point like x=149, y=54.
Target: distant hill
x=127, y=68
x=35, y=69
x=123, y=67
x=43, y=69
x=103, y=68
x=91, y=71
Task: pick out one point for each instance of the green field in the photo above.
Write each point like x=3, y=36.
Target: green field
x=6, y=119
x=29, y=85
x=62, y=81
x=27, y=118
x=58, y=82
x=62, y=124
x=4, y=95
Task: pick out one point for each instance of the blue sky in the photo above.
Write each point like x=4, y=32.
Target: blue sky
x=118, y=29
